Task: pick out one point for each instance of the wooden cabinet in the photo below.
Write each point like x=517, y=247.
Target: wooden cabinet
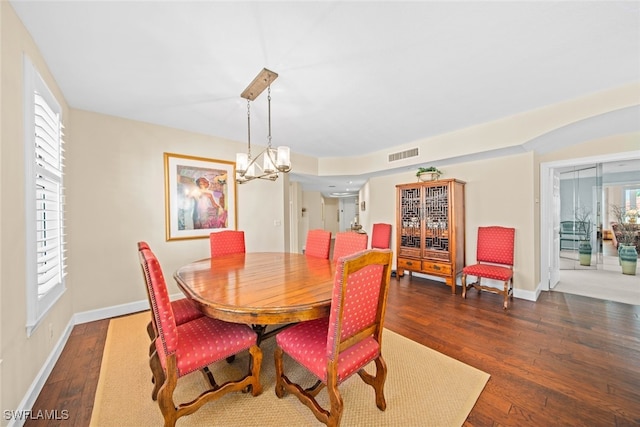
x=430, y=227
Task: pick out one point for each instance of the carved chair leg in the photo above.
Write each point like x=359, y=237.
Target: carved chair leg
x=208, y=376
x=151, y=331
x=463, y=279
x=335, y=399
x=158, y=374
x=315, y=389
x=256, y=363
x=277, y=357
x=377, y=381
x=152, y=335
x=506, y=294
x=165, y=394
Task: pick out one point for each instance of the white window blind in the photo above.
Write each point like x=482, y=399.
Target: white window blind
x=49, y=196
x=44, y=173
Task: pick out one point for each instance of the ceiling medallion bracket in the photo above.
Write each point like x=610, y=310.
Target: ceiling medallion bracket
x=262, y=81
x=274, y=160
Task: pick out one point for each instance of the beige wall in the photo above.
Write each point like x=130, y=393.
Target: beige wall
x=331, y=217
x=498, y=191
x=21, y=357
x=115, y=197
x=611, y=144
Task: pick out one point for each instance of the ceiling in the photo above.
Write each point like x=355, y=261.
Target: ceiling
x=354, y=76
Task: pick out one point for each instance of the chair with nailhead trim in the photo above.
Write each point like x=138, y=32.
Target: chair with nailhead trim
x=336, y=347
x=193, y=346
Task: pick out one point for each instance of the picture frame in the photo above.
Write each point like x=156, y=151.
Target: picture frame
x=362, y=206
x=200, y=196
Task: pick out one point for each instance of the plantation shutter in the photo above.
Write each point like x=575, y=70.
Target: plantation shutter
x=49, y=162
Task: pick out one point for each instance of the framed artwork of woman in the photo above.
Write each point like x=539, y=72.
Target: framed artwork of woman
x=200, y=196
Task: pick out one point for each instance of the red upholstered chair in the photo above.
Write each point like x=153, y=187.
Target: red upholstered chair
x=338, y=346
x=494, y=261
x=349, y=242
x=192, y=346
x=226, y=242
x=183, y=309
x=318, y=243
x=381, y=236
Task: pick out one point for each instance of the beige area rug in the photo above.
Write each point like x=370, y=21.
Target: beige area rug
x=423, y=388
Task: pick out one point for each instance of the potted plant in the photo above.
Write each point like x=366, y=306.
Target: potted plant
x=428, y=174
x=584, y=226
x=625, y=232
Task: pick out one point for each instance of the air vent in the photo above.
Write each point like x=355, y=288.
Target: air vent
x=403, y=155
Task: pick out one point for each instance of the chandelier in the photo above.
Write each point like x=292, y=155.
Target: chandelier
x=271, y=161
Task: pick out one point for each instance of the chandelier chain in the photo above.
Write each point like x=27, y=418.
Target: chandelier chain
x=249, y=129
x=269, y=115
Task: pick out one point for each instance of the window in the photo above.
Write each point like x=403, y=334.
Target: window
x=44, y=199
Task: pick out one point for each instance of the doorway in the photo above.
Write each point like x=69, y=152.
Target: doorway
x=587, y=183
x=348, y=213
x=580, y=196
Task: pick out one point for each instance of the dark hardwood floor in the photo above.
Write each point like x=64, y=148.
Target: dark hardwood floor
x=565, y=360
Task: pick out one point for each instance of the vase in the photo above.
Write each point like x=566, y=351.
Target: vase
x=428, y=176
x=628, y=259
x=584, y=252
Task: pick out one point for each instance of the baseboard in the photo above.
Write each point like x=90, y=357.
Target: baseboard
x=23, y=410
x=109, y=312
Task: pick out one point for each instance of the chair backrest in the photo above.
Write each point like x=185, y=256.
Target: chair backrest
x=160, y=302
x=381, y=236
x=318, y=243
x=495, y=245
x=359, y=299
x=226, y=242
x=349, y=242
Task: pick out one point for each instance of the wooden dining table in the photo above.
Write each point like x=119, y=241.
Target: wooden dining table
x=260, y=289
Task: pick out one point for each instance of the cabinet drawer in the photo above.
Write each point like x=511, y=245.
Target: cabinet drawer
x=409, y=264
x=430, y=267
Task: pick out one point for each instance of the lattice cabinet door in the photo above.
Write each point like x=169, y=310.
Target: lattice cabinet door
x=410, y=203
x=436, y=220
x=430, y=227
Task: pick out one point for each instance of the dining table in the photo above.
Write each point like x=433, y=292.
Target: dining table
x=260, y=288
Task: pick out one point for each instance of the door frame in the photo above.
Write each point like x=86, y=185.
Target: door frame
x=547, y=208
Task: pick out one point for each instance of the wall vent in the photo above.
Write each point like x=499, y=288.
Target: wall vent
x=403, y=155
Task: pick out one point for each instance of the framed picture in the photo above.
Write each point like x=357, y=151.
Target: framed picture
x=200, y=196
x=362, y=206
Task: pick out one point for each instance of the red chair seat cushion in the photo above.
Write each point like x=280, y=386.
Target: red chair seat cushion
x=306, y=343
x=488, y=271
x=205, y=340
x=184, y=311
